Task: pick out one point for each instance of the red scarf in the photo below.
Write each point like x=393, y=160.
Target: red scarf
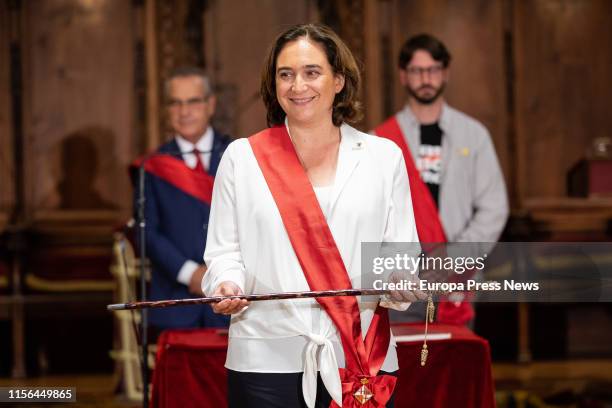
x=323, y=267
x=174, y=171
x=429, y=226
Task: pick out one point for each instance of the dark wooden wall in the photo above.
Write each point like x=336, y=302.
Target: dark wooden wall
x=6, y=129
x=78, y=88
x=237, y=37
x=73, y=114
x=535, y=72
x=473, y=31
x=563, y=64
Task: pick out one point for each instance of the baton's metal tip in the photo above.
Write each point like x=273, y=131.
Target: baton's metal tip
x=116, y=306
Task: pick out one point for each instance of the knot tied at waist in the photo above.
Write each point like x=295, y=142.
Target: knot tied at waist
x=328, y=369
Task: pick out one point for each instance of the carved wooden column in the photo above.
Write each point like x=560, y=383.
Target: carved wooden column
x=8, y=38
x=12, y=209
x=346, y=18
x=373, y=63
x=173, y=37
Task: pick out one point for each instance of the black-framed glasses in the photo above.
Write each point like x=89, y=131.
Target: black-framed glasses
x=434, y=70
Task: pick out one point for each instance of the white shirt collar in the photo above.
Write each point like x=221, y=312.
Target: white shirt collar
x=203, y=145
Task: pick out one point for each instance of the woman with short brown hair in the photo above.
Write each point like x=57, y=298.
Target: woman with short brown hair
x=291, y=206
x=346, y=107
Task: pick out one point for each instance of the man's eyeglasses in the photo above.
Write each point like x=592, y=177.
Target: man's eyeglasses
x=190, y=103
x=434, y=70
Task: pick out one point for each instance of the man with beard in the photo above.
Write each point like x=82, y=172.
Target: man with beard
x=457, y=186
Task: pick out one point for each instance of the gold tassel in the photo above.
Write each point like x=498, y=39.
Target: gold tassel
x=424, y=353
x=429, y=312
x=431, y=308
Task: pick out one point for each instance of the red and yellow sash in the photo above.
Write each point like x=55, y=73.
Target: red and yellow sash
x=323, y=267
x=174, y=171
x=429, y=226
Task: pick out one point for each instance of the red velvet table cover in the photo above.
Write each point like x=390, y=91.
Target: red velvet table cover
x=189, y=370
x=457, y=373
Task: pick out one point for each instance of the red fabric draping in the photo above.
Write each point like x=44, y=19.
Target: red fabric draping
x=195, y=182
x=189, y=370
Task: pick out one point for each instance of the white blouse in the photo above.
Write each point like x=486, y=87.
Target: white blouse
x=247, y=244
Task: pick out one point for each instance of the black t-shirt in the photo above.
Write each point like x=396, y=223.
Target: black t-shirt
x=429, y=161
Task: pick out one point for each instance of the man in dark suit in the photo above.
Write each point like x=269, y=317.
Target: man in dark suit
x=178, y=188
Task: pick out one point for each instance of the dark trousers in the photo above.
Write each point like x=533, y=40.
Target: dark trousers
x=272, y=390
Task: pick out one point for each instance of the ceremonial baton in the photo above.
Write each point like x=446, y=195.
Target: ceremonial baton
x=250, y=298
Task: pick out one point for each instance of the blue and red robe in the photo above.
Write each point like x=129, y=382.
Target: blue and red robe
x=177, y=207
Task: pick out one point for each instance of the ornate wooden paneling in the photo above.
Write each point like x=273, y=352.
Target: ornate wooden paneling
x=79, y=100
x=472, y=30
x=376, y=35
x=347, y=18
x=152, y=120
x=237, y=37
x=179, y=27
x=174, y=37
x=356, y=22
x=6, y=128
x=562, y=87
